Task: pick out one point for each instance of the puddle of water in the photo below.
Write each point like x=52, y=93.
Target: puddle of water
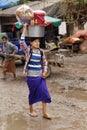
x=11, y=122
x=22, y=121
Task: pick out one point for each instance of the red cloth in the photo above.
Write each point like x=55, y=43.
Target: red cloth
x=47, y=22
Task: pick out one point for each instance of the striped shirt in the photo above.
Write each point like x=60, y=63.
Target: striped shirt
x=35, y=64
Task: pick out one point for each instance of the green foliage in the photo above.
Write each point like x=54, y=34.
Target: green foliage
x=81, y=2
x=23, y=1
x=77, y=2
x=85, y=1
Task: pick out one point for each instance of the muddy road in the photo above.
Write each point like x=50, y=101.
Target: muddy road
x=68, y=89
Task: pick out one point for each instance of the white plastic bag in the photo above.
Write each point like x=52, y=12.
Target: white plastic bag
x=24, y=12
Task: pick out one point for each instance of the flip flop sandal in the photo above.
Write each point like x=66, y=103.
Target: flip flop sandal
x=33, y=114
x=47, y=116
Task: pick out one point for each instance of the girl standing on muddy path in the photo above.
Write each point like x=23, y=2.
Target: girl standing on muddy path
x=35, y=70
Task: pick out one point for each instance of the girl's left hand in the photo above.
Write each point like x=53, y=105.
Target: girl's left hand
x=24, y=73
x=44, y=75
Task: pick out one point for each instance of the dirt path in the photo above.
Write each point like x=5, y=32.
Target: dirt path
x=68, y=88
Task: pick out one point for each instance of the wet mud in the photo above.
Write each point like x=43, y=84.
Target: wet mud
x=68, y=89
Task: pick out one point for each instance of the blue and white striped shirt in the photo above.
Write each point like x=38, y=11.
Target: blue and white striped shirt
x=37, y=63
x=34, y=66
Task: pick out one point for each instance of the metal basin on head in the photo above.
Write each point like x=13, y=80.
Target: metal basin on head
x=36, y=31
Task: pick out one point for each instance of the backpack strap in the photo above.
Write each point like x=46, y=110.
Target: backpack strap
x=30, y=56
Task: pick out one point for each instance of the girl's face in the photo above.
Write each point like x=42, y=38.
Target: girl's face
x=35, y=43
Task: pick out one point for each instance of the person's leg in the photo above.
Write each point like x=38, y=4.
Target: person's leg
x=43, y=108
x=4, y=75
x=32, y=112
x=31, y=108
x=14, y=75
x=12, y=67
x=4, y=67
x=44, y=111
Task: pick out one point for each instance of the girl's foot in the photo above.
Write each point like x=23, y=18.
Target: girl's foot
x=33, y=114
x=47, y=116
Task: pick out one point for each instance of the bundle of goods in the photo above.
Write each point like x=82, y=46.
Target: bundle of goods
x=24, y=14
x=83, y=47
x=38, y=29
x=72, y=40
x=35, y=20
x=39, y=17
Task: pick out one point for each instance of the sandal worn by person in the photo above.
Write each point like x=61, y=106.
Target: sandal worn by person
x=46, y=116
x=33, y=114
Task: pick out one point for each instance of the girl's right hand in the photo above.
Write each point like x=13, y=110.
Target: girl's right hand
x=25, y=25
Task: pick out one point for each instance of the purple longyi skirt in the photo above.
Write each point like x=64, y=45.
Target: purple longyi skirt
x=37, y=90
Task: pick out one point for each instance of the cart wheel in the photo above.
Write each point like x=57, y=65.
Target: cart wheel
x=48, y=71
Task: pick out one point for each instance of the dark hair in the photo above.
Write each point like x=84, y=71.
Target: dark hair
x=4, y=37
x=31, y=39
